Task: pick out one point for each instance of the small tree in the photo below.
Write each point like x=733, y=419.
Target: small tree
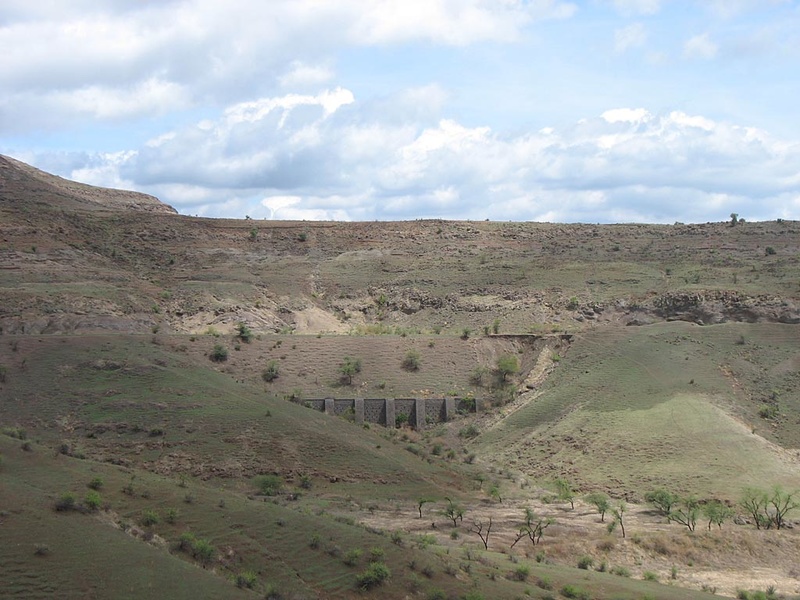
x=494, y=492
x=533, y=527
x=662, y=500
x=601, y=502
x=478, y=528
x=565, y=492
x=411, y=361
x=496, y=326
x=618, y=512
x=421, y=502
x=781, y=503
x=756, y=503
x=454, y=512
x=687, y=513
x=734, y=219
x=271, y=372
x=717, y=513
x=349, y=368
x=507, y=364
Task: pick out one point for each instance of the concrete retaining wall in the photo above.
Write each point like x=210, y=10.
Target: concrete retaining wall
x=417, y=412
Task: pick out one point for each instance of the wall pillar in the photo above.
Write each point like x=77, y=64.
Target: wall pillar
x=358, y=406
x=419, y=414
x=330, y=406
x=449, y=408
x=390, y=414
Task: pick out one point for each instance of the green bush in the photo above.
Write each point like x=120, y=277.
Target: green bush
x=269, y=485
x=376, y=554
x=202, y=550
x=649, y=576
x=374, y=576
x=352, y=557
x=92, y=501
x=149, y=518
x=572, y=591
x=522, y=572
x=246, y=579
x=411, y=362
x=172, y=516
x=219, y=353
x=585, y=562
x=95, y=483
x=244, y=333
x=65, y=502
x=271, y=372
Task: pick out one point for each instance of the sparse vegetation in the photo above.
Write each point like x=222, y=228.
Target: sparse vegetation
x=411, y=361
x=349, y=368
x=219, y=353
x=271, y=372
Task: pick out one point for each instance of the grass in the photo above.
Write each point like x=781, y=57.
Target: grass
x=657, y=406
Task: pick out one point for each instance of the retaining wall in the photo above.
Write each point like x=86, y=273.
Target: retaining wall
x=391, y=412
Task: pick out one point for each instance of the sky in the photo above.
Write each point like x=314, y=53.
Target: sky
x=595, y=111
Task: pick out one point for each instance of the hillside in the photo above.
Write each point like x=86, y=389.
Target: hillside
x=135, y=347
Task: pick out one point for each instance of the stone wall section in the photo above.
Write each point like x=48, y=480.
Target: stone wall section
x=418, y=412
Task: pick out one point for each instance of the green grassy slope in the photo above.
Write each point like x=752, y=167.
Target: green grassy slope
x=676, y=405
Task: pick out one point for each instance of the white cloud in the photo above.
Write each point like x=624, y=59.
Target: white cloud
x=638, y=7
x=632, y=36
x=302, y=75
x=700, y=46
x=287, y=157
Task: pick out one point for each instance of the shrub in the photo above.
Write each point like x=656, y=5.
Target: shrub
x=219, y=353
x=650, y=576
x=92, y=500
x=585, y=562
x=351, y=557
x=246, y=579
x=172, y=516
x=3, y=373
x=269, y=485
x=95, y=483
x=374, y=576
x=522, y=572
x=244, y=333
x=203, y=551
x=376, y=554
x=271, y=372
x=571, y=591
x=544, y=583
x=469, y=432
x=411, y=362
x=65, y=502
x=769, y=251
x=41, y=549
x=465, y=333
x=621, y=572
x=314, y=542
x=436, y=595
x=149, y=518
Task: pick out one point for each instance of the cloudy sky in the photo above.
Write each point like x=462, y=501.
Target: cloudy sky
x=546, y=110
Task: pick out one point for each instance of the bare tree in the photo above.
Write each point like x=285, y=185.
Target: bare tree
x=477, y=527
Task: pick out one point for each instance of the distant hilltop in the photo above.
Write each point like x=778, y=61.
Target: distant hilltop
x=22, y=183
